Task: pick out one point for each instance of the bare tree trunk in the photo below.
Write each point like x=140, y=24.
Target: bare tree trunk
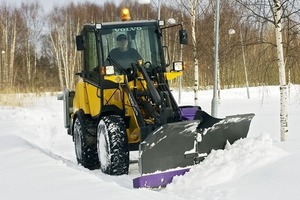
x=32, y=15
x=62, y=39
x=58, y=61
x=72, y=52
x=28, y=58
x=196, y=69
x=12, y=51
x=4, y=51
x=8, y=24
x=63, y=49
x=282, y=76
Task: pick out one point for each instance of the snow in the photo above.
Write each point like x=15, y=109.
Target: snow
x=233, y=163
x=38, y=157
x=102, y=145
x=191, y=127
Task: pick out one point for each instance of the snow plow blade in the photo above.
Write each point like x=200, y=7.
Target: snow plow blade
x=183, y=144
x=215, y=133
x=164, y=148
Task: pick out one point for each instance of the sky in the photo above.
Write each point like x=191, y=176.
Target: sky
x=38, y=157
x=49, y=4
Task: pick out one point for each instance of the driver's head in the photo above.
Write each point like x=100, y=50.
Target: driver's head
x=122, y=42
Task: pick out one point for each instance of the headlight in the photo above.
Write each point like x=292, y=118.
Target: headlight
x=109, y=70
x=161, y=22
x=178, y=66
x=98, y=26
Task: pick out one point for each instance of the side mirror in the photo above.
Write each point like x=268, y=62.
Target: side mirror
x=183, y=37
x=80, y=43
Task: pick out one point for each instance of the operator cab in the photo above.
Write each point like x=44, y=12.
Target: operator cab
x=144, y=37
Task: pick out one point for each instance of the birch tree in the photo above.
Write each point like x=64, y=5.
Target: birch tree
x=62, y=37
x=278, y=12
x=282, y=77
x=32, y=16
x=65, y=23
x=8, y=24
x=191, y=7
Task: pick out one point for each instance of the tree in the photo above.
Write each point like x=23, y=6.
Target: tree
x=8, y=24
x=29, y=61
x=32, y=17
x=64, y=24
x=275, y=12
x=191, y=6
x=282, y=77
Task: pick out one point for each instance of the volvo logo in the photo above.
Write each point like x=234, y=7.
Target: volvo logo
x=127, y=29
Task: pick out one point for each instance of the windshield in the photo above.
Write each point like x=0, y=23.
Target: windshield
x=126, y=44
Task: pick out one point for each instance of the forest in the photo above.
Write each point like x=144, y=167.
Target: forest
x=38, y=51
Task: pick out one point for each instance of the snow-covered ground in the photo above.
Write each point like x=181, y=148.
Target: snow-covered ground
x=37, y=159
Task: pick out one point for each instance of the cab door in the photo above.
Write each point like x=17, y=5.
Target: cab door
x=92, y=71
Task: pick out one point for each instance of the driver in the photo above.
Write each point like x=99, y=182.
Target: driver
x=123, y=54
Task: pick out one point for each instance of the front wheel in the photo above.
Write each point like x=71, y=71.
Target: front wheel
x=112, y=143
x=85, y=143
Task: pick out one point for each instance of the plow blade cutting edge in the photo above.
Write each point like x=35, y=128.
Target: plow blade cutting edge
x=183, y=144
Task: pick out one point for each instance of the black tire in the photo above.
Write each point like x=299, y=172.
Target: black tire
x=86, y=143
x=113, y=148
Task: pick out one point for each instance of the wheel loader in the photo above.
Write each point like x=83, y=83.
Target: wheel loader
x=117, y=108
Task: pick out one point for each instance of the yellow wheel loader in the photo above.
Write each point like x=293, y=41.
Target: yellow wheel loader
x=126, y=105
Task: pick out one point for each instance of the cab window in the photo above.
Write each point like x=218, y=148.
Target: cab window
x=143, y=38
x=91, y=61
x=91, y=58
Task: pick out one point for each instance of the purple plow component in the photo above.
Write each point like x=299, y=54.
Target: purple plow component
x=189, y=112
x=157, y=180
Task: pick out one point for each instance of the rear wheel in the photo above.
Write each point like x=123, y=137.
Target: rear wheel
x=112, y=141
x=85, y=142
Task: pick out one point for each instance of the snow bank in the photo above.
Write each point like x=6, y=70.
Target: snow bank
x=236, y=160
